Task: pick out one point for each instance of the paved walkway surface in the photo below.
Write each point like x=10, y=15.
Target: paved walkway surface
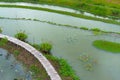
x=46, y=64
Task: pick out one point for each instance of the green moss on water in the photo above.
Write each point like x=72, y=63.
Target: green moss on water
x=107, y=46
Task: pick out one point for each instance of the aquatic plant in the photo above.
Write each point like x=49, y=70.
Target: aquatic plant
x=84, y=28
x=89, y=67
x=95, y=29
x=36, y=20
x=84, y=58
x=96, y=32
x=21, y=36
x=88, y=62
x=107, y=46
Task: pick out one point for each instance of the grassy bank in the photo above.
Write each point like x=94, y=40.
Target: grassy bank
x=63, y=68
x=63, y=12
x=33, y=65
x=105, y=8
x=107, y=46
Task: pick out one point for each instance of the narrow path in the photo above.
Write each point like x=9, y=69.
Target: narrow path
x=52, y=73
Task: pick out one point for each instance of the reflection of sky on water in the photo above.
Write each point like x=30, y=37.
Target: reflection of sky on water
x=10, y=69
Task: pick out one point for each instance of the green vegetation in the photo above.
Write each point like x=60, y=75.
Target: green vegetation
x=95, y=30
x=1, y=30
x=21, y=36
x=103, y=8
x=63, y=12
x=88, y=62
x=3, y=41
x=64, y=69
x=16, y=52
x=107, y=46
x=36, y=46
x=45, y=47
x=84, y=28
x=35, y=69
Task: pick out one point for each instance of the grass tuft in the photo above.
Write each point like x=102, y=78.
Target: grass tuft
x=107, y=46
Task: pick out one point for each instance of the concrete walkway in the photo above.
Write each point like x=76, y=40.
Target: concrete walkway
x=52, y=73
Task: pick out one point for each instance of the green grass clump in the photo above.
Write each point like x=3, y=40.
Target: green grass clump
x=97, y=32
x=45, y=47
x=3, y=41
x=95, y=29
x=34, y=69
x=1, y=30
x=36, y=46
x=16, y=52
x=21, y=36
x=84, y=28
x=64, y=69
x=107, y=46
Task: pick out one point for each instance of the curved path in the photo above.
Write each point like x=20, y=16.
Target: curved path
x=52, y=73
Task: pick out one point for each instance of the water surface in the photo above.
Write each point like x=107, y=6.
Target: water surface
x=11, y=69
x=68, y=43
x=57, y=18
